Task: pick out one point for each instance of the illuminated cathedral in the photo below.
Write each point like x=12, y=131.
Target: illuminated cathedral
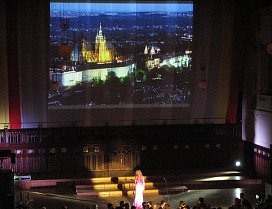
x=101, y=53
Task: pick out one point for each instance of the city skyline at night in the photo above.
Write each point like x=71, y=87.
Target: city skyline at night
x=121, y=54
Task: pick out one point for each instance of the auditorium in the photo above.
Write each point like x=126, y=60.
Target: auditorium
x=94, y=94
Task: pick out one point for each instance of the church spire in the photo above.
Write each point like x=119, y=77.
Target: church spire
x=146, y=50
x=100, y=31
x=99, y=35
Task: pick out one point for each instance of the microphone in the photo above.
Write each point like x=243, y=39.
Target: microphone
x=166, y=189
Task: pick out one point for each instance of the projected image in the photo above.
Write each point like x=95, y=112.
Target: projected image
x=120, y=54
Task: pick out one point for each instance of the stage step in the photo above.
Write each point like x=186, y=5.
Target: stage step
x=154, y=185
x=148, y=192
x=124, y=186
x=112, y=186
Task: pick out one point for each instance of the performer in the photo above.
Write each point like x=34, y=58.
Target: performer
x=139, y=189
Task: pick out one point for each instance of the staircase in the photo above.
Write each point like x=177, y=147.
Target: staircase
x=124, y=186
x=158, y=185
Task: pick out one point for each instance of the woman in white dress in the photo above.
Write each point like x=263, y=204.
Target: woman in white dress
x=139, y=189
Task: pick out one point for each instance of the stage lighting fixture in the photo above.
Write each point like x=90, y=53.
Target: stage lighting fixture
x=237, y=163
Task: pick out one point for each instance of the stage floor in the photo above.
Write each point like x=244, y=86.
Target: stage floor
x=215, y=197
x=220, y=193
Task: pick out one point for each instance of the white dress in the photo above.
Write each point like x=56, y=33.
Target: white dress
x=139, y=190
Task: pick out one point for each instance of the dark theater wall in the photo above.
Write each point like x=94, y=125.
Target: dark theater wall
x=33, y=59
x=212, y=46
x=24, y=63
x=230, y=39
x=4, y=98
x=68, y=152
x=213, y=33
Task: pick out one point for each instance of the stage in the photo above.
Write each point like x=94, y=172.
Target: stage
x=218, y=189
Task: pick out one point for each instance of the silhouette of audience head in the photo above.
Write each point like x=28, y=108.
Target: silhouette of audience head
x=126, y=205
x=181, y=203
x=201, y=200
x=94, y=206
x=237, y=202
x=145, y=206
x=110, y=206
x=122, y=203
x=150, y=204
x=163, y=204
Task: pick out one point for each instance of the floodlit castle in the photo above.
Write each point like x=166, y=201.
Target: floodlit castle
x=101, y=61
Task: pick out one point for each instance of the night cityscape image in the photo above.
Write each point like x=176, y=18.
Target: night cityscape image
x=120, y=54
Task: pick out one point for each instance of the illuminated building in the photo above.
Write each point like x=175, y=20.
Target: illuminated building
x=176, y=61
x=102, y=61
x=102, y=53
x=72, y=78
x=155, y=61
